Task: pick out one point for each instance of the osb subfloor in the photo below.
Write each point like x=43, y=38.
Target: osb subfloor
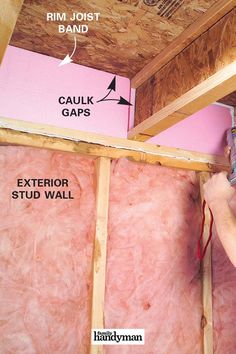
x=127, y=36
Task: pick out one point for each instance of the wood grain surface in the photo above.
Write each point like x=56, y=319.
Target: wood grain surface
x=208, y=54
x=128, y=35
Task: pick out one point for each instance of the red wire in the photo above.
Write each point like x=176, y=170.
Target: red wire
x=200, y=254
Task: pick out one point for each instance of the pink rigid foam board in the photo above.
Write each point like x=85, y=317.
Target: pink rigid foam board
x=31, y=84
x=204, y=131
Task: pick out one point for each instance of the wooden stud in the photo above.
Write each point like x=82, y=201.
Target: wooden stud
x=202, y=24
x=207, y=92
x=100, y=247
x=10, y=10
x=99, y=145
x=207, y=317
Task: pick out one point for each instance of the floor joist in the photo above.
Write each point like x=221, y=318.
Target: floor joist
x=199, y=75
x=49, y=137
x=202, y=24
x=189, y=103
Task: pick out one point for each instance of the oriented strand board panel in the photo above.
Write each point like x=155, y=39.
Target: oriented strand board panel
x=128, y=35
x=153, y=279
x=211, y=52
x=46, y=249
x=202, y=24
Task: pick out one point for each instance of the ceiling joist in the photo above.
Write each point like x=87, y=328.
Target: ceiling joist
x=201, y=74
x=202, y=24
x=189, y=103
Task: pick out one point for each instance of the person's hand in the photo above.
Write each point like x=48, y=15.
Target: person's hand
x=217, y=190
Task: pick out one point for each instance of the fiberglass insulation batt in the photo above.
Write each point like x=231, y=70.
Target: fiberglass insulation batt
x=45, y=255
x=224, y=298
x=153, y=279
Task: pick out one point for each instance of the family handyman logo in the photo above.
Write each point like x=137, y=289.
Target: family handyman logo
x=117, y=336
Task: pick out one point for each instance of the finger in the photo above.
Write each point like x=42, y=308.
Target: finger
x=224, y=173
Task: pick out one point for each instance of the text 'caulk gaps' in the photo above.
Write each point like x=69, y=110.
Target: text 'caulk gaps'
x=68, y=58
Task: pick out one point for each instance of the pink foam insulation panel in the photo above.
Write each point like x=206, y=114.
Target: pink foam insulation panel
x=204, y=131
x=45, y=254
x=31, y=84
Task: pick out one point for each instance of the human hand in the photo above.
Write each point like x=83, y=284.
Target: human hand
x=217, y=190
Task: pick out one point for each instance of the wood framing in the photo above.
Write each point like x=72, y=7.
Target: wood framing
x=192, y=101
x=10, y=10
x=202, y=73
x=207, y=317
x=100, y=247
x=45, y=136
x=202, y=24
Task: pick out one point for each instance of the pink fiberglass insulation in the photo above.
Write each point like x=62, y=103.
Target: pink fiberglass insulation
x=224, y=299
x=45, y=255
x=153, y=277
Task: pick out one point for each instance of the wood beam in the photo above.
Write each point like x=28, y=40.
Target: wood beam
x=209, y=59
x=207, y=92
x=202, y=24
x=10, y=10
x=48, y=137
x=100, y=247
x=206, y=267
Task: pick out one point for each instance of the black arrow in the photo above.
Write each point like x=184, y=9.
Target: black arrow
x=119, y=101
x=124, y=102
x=112, y=85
